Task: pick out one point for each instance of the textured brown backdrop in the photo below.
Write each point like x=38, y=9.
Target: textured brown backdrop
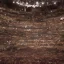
x=23, y=40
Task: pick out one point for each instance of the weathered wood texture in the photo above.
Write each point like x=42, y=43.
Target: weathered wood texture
x=24, y=40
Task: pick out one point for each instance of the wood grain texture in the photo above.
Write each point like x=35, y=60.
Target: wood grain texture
x=25, y=40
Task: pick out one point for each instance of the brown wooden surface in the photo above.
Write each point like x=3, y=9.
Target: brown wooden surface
x=24, y=40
